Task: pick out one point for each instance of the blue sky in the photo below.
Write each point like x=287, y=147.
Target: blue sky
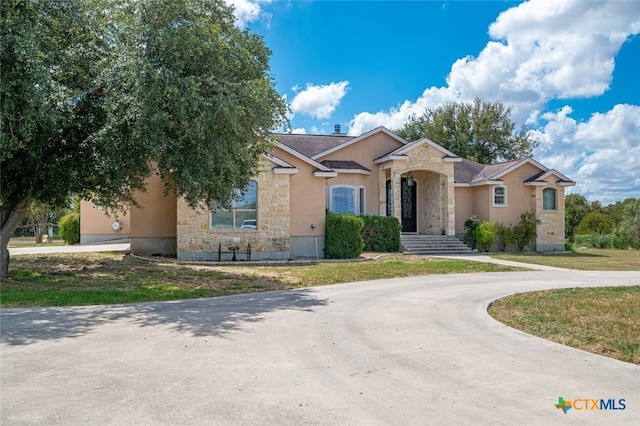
x=568, y=68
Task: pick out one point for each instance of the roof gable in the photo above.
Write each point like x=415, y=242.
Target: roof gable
x=470, y=172
x=541, y=178
x=403, y=151
x=357, y=139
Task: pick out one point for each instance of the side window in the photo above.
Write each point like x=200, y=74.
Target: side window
x=243, y=214
x=549, y=199
x=362, y=210
x=499, y=196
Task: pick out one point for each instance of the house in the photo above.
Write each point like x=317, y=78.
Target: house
x=282, y=213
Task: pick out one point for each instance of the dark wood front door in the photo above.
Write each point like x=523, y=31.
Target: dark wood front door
x=409, y=210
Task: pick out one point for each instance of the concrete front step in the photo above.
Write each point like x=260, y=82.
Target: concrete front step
x=433, y=244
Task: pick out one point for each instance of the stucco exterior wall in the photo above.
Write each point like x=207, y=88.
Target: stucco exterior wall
x=520, y=198
x=271, y=240
x=364, y=152
x=481, y=202
x=307, y=206
x=96, y=226
x=154, y=230
x=464, y=207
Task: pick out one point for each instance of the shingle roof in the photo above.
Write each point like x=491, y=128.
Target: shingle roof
x=310, y=145
x=468, y=171
x=344, y=165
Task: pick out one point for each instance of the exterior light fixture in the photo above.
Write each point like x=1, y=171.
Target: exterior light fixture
x=410, y=180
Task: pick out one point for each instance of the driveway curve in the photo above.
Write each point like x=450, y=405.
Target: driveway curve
x=419, y=350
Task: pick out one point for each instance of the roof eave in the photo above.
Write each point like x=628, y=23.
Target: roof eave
x=325, y=174
x=487, y=182
x=353, y=171
x=285, y=170
x=389, y=158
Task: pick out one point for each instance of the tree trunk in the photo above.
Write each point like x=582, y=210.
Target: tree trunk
x=11, y=214
x=38, y=231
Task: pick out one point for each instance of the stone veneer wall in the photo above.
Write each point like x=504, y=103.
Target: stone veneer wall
x=434, y=204
x=550, y=230
x=195, y=240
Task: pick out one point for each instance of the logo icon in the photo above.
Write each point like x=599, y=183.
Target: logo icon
x=563, y=405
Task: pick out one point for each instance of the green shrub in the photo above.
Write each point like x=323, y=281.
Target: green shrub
x=381, y=233
x=471, y=227
x=505, y=237
x=601, y=241
x=69, y=228
x=525, y=231
x=622, y=242
x=486, y=236
x=343, y=236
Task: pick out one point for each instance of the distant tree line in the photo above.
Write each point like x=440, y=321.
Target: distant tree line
x=616, y=225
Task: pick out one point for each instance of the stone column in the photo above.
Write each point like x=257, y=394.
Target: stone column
x=450, y=218
x=382, y=191
x=397, y=194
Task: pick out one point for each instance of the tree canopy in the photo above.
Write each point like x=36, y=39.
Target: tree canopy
x=481, y=131
x=97, y=95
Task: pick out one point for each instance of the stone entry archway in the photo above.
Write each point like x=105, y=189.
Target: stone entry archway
x=426, y=207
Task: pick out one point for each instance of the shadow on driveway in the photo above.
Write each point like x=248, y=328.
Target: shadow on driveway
x=199, y=317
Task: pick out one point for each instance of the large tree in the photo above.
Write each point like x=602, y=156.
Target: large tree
x=99, y=94
x=482, y=131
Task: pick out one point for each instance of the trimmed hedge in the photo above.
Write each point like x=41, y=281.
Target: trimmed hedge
x=381, y=233
x=343, y=236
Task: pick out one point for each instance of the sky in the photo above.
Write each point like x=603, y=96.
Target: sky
x=568, y=68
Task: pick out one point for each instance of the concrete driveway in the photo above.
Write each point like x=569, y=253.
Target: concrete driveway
x=418, y=350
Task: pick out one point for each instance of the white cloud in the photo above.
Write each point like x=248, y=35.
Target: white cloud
x=396, y=117
x=319, y=101
x=602, y=154
x=247, y=10
x=299, y=131
x=540, y=50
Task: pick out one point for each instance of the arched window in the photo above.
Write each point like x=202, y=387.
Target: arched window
x=347, y=199
x=549, y=197
x=243, y=213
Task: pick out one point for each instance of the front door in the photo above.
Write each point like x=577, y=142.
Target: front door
x=409, y=211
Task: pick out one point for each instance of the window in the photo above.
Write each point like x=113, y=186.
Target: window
x=499, y=196
x=549, y=199
x=243, y=214
x=346, y=200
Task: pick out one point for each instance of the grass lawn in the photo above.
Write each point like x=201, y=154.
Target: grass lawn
x=16, y=242
x=586, y=260
x=604, y=321
x=103, y=278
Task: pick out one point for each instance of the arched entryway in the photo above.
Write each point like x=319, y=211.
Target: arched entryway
x=421, y=202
